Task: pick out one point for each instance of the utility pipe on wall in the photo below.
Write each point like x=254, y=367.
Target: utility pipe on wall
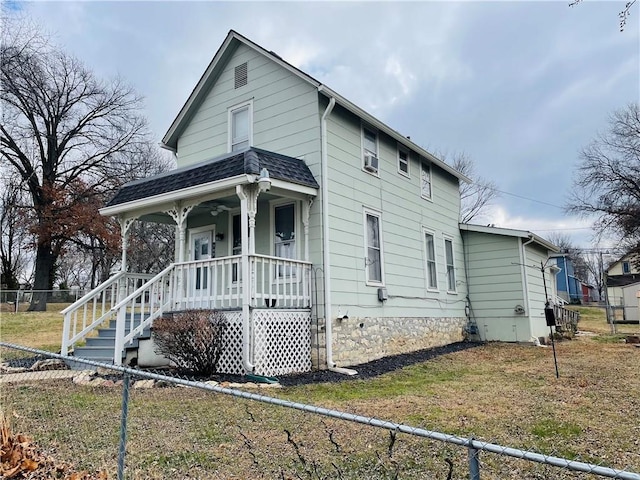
x=325, y=236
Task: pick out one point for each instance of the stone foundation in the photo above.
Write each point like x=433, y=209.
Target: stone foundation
x=361, y=340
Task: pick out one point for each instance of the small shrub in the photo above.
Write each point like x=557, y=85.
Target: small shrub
x=192, y=339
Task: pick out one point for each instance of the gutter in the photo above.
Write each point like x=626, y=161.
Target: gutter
x=246, y=330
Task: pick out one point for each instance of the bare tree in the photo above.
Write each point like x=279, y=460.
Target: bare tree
x=477, y=196
x=607, y=182
x=14, y=236
x=65, y=133
x=623, y=15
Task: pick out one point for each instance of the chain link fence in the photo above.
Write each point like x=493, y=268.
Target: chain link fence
x=97, y=421
x=12, y=301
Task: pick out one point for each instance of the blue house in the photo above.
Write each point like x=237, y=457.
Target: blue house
x=569, y=286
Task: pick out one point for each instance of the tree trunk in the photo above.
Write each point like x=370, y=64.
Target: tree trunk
x=44, y=274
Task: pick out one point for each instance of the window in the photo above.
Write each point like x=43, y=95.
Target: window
x=373, y=246
x=626, y=268
x=451, y=271
x=240, y=127
x=285, y=236
x=432, y=273
x=425, y=181
x=370, y=150
x=403, y=161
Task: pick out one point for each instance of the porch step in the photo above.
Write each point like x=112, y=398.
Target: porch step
x=100, y=348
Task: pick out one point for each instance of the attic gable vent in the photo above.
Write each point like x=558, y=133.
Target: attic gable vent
x=241, y=75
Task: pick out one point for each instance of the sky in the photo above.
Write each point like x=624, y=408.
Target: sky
x=519, y=87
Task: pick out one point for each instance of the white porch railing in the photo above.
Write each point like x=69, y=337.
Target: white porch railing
x=217, y=283
x=89, y=312
x=140, y=308
x=275, y=283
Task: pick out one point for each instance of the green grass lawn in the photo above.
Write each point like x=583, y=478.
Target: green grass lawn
x=502, y=393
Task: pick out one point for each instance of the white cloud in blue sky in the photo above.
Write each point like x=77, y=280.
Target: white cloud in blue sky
x=519, y=86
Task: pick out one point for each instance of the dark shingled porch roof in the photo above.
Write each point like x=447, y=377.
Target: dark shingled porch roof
x=251, y=161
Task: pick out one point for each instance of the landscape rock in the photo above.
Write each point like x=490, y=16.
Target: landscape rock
x=49, y=364
x=144, y=384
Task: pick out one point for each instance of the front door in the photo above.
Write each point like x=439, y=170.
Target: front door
x=202, y=248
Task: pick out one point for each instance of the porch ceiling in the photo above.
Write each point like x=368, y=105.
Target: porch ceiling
x=218, y=174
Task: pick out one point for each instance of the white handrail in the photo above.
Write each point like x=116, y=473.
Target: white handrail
x=81, y=301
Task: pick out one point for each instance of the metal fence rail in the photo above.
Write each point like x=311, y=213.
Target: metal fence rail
x=473, y=446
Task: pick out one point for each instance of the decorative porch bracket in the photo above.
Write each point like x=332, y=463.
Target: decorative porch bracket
x=179, y=213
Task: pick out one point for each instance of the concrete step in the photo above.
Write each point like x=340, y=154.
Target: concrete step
x=111, y=333
x=92, y=353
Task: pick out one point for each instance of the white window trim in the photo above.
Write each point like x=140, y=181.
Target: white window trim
x=230, y=110
x=426, y=231
x=369, y=211
x=297, y=224
x=404, y=150
x=446, y=238
x=423, y=163
x=364, y=127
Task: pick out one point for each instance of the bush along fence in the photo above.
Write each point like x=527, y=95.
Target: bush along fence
x=98, y=421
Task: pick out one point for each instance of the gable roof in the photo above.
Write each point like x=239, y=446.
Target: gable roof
x=509, y=232
x=248, y=162
x=226, y=50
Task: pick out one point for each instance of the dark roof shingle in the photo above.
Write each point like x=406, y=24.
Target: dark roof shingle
x=249, y=162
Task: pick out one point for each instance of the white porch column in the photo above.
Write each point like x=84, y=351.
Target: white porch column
x=306, y=208
x=125, y=225
x=179, y=213
x=248, y=195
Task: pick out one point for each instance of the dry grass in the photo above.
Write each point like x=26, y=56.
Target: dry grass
x=502, y=393
x=41, y=330
x=593, y=319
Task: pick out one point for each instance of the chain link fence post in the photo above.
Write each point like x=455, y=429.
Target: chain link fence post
x=474, y=462
x=122, y=447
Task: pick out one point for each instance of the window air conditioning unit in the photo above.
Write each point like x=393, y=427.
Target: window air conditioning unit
x=370, y=162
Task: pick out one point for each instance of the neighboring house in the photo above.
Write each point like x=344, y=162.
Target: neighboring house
x=631, y=302
x=569, y=286
x=620, y=273
x=505, y=281
x=323, y=234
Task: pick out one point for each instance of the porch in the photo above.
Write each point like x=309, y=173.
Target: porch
x=241, y=247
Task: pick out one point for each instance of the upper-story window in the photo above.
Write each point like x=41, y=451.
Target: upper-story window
x=425, y=181
x=370, y=150
x=626, y=267
x=403, y=161
x=240, y=126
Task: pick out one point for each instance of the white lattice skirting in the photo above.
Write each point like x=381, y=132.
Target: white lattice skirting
x=231, y=358
x=282, y=341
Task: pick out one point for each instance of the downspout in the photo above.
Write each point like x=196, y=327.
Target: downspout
x=525, y=282
x=246, y=330
x=325, y=236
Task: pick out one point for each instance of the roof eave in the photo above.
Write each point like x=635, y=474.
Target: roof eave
x=374, y=122
x=175, y=195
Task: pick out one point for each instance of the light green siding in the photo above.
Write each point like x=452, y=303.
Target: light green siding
x=285, y=112
x=495, y=281
x=536, y=257
x=403, y=215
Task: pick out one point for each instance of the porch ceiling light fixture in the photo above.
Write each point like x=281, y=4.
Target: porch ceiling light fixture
x=264, y=181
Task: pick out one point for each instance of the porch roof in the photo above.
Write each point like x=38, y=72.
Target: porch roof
x=247, y=162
